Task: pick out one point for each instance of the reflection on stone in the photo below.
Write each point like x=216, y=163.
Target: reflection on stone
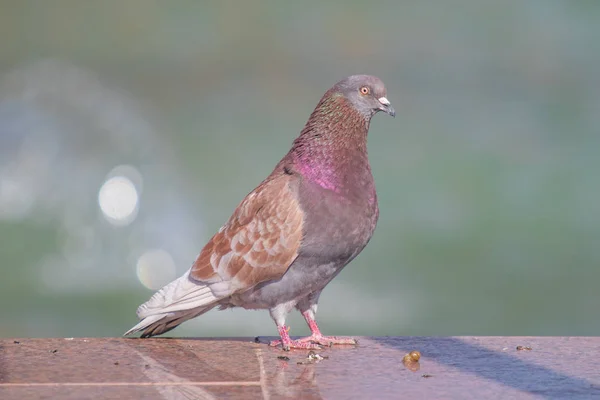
x=413, y=366
x=293, y=381
x=174, y=387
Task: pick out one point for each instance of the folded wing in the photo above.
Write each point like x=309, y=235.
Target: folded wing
x=258, y=243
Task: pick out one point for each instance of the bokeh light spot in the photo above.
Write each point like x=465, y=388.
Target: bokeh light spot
x=155, y=268
x=118, y=199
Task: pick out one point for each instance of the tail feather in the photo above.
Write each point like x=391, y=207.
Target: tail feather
x=160, y=323
x=181, y=294
x=175, y=303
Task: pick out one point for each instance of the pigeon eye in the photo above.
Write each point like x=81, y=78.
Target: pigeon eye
x=365, y=90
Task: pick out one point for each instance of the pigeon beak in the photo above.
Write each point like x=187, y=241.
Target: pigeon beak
x=386, y=106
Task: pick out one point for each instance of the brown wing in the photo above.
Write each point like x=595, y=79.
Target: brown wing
x=258, y=243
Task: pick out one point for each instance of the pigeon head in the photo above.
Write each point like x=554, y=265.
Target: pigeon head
x=332, y=148
x=366, y=94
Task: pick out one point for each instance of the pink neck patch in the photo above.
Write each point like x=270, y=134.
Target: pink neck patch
x=321, y=176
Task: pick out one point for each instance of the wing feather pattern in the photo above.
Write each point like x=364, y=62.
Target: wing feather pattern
x=258, y=243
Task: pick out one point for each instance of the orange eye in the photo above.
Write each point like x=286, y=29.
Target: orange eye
x=365, y=90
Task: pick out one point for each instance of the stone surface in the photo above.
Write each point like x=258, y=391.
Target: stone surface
x=450, y=367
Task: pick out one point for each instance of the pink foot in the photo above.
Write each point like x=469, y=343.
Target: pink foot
x=295, y=344
x=318, y=337
x=287, y=343
x=331, y=340
x=314, y=342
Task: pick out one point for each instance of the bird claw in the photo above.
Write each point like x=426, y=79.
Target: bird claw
x=301, y=344
x=314, y=342
x=332, y=340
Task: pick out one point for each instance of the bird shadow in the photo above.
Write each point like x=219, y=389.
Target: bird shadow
x=503, y=368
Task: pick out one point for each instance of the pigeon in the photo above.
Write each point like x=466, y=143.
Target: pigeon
x=291, y=235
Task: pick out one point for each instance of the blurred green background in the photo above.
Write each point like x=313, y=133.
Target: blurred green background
x=130, y=130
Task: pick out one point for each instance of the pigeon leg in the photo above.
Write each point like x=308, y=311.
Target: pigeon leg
x=278, y=313
x=287, y=343
x=319, y=338
x=308, y=308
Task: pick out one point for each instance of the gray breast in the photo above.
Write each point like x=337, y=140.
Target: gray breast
x=336, y=229
x=337, y=226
